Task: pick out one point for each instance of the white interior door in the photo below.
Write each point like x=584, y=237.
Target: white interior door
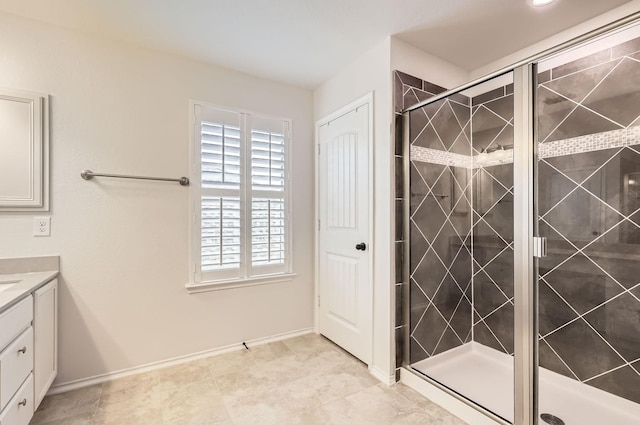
x=344, y=276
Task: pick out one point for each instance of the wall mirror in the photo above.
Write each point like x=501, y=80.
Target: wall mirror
x=24, y=151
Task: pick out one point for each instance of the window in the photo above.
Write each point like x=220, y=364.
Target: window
x=241, y=229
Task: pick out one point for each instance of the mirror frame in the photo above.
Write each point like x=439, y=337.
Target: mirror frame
x=38, y=173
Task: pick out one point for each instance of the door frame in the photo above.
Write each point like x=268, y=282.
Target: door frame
x=362, y=101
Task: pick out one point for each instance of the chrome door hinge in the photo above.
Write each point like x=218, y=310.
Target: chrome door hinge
x=318, y=300
x=318, y=225
x=318, y=148
x=539, y=246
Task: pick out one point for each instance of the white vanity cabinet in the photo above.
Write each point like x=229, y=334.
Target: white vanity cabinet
x=45, y=323
x=28, y=353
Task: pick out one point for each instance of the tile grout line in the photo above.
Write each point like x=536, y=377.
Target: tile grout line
x=580, y=103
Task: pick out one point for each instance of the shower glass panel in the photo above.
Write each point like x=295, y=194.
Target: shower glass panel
x=461, y=243
x=588, y=135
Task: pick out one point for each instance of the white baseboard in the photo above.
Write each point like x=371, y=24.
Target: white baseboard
x=383, y=377
x=98, y=379
x=447, y=401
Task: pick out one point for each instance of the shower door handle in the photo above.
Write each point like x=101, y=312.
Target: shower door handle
x=539, y=246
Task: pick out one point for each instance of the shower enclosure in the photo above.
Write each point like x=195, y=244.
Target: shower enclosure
x=522, y=224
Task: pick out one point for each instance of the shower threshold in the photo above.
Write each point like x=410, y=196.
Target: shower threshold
x=485, y=376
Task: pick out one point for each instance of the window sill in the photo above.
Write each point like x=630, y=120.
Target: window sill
x=195, y=288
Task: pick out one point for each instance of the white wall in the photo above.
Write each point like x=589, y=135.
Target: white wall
x=124, y=244
x=562, y=37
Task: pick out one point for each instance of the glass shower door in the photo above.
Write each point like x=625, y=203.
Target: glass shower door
x=588, y=134
x=461, y=332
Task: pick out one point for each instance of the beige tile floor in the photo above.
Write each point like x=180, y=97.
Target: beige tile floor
x=305, y=380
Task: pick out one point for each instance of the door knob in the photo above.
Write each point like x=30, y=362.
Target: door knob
x=361, y=246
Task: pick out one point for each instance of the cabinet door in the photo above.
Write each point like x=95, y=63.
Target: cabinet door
x=45, y=323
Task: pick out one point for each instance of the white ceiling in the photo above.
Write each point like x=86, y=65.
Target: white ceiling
x=305, y=42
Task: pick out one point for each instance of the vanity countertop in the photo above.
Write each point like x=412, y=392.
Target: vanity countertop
x=15, y=287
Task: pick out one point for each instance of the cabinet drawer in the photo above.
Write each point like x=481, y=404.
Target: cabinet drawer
x=16, y=363
x=19, y=411
x=15, y=320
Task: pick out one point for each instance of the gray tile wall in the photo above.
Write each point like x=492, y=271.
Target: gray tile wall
x=440, y=223
x=442, y=258
x=492, y=124
x=589, y=210
x=408, y=90
x=589, y=206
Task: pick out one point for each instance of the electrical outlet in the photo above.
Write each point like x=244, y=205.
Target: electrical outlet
x=42, y=226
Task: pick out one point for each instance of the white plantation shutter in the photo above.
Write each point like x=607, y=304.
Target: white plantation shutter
x=220, y=169
x=220, y=156
x=220, y=247
x=267, y=231
x=267, y=161
x=268, y=213
x=242, y=225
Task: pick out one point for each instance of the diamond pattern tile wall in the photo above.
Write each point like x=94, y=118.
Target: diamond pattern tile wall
x=589, y=208
x=440, y=242
x=409, y=90
x=589, y=205
x=442, y=219
x=493, y=305
x=593, y=100
x=441, y=272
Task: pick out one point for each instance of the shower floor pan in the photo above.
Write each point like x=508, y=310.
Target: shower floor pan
x=485, y=376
